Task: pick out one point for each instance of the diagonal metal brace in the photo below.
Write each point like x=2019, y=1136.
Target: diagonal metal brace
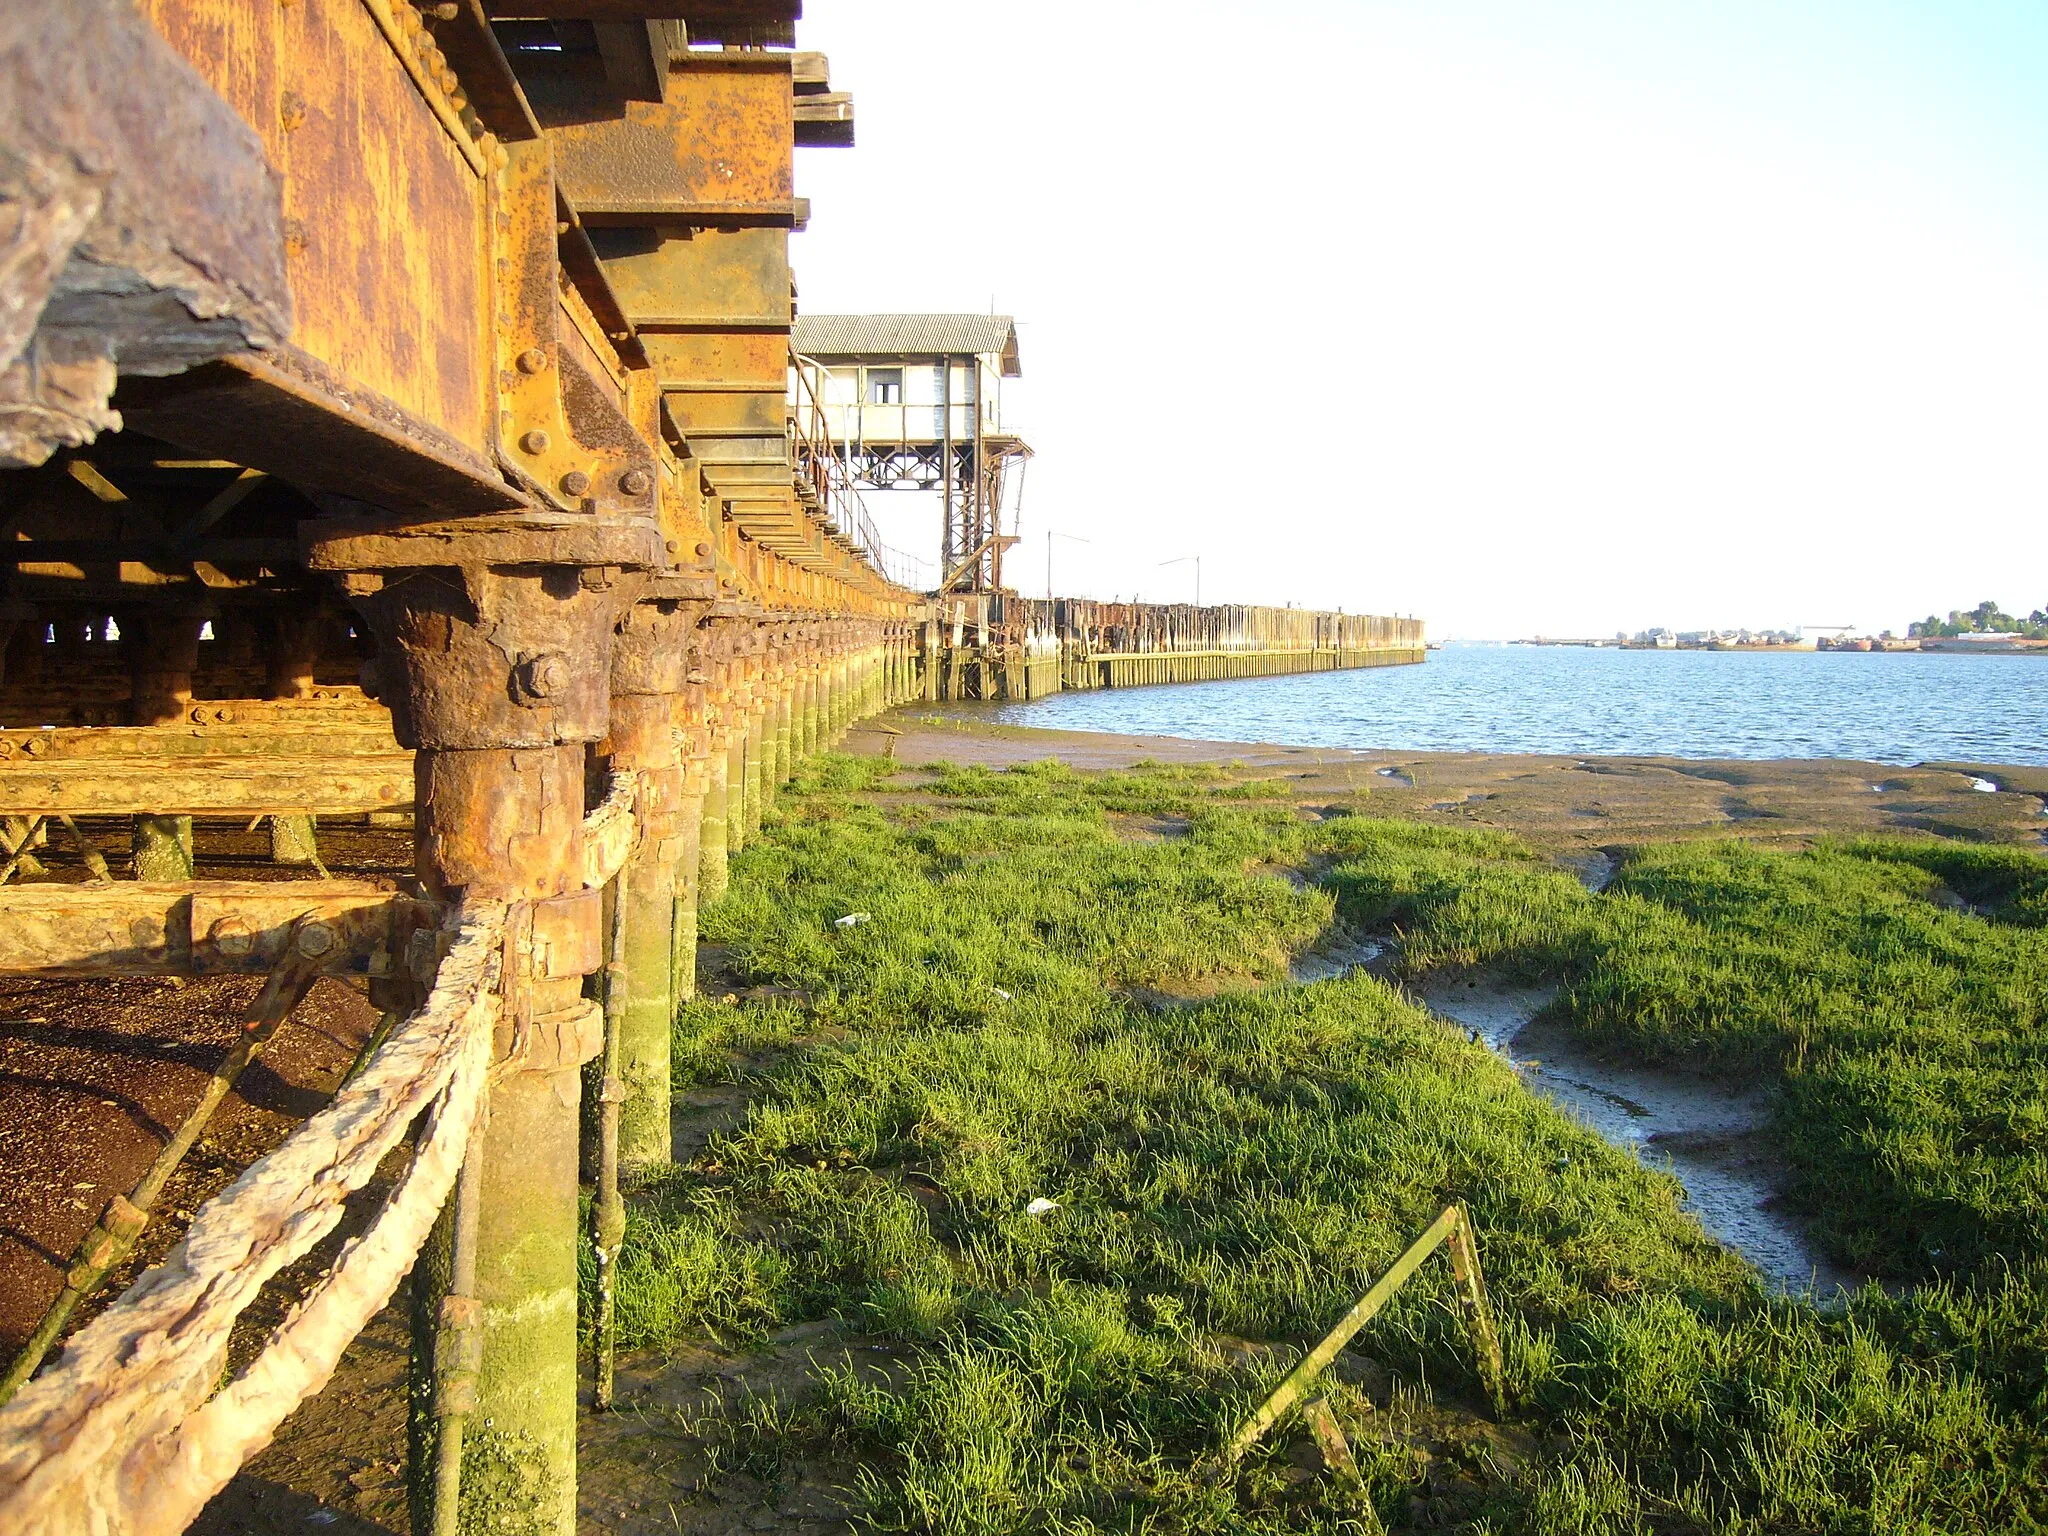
x=1454, y=1227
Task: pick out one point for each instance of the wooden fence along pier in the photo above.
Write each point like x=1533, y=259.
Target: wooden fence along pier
x=400, y=427
x=1001, y=646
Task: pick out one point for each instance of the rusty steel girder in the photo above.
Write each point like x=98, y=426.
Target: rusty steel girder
x=715, y=151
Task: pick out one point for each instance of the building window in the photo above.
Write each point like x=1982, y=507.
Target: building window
x=885, y=386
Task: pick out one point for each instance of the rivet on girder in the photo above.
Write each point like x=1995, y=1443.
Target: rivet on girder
x=535, y=441
x=575, y=483
x=635, y=482
x=532, y=360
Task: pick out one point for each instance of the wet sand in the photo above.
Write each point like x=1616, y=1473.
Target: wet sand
x=1575, y=808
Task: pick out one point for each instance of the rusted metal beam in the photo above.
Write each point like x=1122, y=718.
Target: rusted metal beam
x=717, y=151
x=707, y=18
x=291, y=415
x=204, y=928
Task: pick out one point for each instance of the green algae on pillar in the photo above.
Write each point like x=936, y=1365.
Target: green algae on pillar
x=711, y=846
x=162, y=848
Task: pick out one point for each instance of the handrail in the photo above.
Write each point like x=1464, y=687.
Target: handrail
x=815, y=457
x=125, y=1432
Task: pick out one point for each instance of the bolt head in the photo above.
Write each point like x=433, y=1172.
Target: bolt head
x=535, y=441
x=547, y=675
x=636, y=482
x=575, y=483
x=532, y=360
x=232, y=936
x=315, y=939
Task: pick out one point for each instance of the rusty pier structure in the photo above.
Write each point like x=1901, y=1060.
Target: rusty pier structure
x=396, y=429
x=400, y=430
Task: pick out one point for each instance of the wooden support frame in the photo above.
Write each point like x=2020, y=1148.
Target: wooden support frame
x=208, y=927
x=245, y=785
x=1453, y=1228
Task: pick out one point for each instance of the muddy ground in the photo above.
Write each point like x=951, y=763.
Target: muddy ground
x=1570, y=806
x=93, y=1074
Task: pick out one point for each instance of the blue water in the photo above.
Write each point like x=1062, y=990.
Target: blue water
x=1898, y=707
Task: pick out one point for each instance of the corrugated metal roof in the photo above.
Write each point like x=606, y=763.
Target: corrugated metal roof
x=909, y=336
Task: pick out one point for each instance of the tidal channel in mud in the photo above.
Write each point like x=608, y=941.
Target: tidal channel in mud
x=1714, y=1142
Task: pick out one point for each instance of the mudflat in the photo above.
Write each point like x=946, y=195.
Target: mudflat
x=1566, y=805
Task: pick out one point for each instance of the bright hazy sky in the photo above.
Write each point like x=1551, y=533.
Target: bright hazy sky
x=1528, y=316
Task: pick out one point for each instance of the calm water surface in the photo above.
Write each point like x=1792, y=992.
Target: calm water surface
x=1887, y=708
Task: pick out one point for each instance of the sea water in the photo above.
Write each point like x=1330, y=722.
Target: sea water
x=1886, y=707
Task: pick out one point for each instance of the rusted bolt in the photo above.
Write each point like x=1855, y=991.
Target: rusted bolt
x=535, y=441
x=599, y=578
x=635, y=482
x=703, y=551
x=33, y=746
x=575, y=483
x=232, y=936
x=315, y=939
x=545, y=676
x=532, y=360
x=224, y=716
x=674, y=545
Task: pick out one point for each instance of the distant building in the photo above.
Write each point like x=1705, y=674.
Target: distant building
x=915, y=401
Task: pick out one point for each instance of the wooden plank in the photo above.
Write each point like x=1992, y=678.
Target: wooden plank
x=213, y=785
x=290, y=739
x=206, y=927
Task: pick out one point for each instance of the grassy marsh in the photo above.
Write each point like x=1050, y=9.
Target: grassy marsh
x=1041, y=1003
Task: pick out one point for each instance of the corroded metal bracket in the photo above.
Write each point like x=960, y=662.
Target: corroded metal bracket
x=501, y=626
x=559, y=434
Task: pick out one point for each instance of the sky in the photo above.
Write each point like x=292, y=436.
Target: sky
x=1555, y=317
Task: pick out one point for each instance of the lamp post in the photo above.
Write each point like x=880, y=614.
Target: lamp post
x=1183, y=560
x=1050, y=535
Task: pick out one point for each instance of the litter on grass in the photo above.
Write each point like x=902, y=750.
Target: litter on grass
x=1040, y=1206
x=849, y=920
